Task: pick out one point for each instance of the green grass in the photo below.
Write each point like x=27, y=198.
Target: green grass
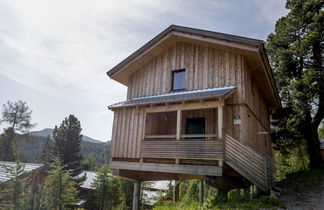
x=255, y=203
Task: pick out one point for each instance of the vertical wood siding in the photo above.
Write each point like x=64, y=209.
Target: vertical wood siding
x=205, y=68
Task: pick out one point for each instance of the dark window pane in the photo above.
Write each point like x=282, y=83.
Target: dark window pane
x=178, y=80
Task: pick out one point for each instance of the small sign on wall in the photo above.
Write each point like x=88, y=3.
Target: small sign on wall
x=237, y=120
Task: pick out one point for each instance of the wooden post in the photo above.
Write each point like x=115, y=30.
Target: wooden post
x=201, y=192
x=136, y=195
x=178, y=124
x=220, y=121
x=176, y=191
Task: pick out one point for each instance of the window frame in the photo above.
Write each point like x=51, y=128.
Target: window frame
x=184, y=78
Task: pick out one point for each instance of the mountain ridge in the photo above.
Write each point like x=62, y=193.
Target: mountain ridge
x=49, y=132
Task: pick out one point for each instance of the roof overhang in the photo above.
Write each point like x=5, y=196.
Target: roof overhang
x=221, y=92
x=252, y=49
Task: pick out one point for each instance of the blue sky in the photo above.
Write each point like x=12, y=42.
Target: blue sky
x=54, y=54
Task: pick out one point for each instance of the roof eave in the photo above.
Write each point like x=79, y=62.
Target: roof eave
x=182, y=29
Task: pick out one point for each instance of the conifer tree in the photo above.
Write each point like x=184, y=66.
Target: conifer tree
x=67, y=141
x=59, y=189
x=48, y=152
x=18, y=116
x=296, y=51
x=108, y=190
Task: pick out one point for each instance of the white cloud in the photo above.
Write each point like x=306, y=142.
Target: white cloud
x=63, y=48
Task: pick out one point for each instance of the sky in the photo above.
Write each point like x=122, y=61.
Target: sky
x=55, y=54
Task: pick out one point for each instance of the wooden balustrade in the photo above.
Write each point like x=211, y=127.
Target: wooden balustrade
x=250, y=163
x=182, y=149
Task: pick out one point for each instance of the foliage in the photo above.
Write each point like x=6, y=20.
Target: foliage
x=296, y=52
x=100, y=151
x=8, y=146
x=290, y=162
x=90, y=163
x=67, y=141
x=59, y=189
x=17, y=115
x=236, y=199
x=321, y=131
x=110, y=192
x=48, y=152
x=33, y=193
x=13, y=190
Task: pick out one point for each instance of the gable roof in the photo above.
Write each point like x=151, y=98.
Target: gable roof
x=252, y=49
x=216, y=35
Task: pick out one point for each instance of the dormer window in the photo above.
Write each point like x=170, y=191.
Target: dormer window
x=178, y=79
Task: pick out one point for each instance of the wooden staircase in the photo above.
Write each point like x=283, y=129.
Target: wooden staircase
x=255, y=166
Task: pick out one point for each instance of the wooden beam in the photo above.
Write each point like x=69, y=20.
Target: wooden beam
x=168, y=168
x=220, y=121
x=186, y=106
x=178, y=124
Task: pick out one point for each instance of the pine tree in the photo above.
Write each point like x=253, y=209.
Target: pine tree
x=48, y=152
x=296, y=50
x=109, y=191
x=67, y=141
x=59, y=189
x=18, y=116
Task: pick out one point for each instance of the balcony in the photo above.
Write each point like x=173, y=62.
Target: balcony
x=203, y=147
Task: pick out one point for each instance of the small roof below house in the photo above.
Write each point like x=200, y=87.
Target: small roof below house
x=178, y=96
x=154, y=190
x=5, y=176
x=90, y=177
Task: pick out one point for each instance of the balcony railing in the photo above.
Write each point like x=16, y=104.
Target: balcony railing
x=199, y=146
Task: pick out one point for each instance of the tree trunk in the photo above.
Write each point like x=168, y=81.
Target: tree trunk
x=315, y=158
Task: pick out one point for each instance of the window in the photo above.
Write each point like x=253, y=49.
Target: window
x=178, y=79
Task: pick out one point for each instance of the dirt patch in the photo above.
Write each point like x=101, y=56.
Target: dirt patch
x=306, y=192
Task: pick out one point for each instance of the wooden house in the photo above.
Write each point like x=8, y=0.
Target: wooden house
x=198, y=105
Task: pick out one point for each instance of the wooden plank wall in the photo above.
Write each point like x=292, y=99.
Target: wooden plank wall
x=128, y=131
x=205, y=68
x=258, y=119
x=161, y=123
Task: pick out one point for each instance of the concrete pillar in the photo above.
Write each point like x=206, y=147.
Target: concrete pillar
x=176, y=191
x=201, y=192
x=136, y=195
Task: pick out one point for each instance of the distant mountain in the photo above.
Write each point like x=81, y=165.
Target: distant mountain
x=32, y=145
x=49, y=132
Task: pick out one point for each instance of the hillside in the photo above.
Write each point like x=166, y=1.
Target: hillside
x=31, y=146
x=49, y=132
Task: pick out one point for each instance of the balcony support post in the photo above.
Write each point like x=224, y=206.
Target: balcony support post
x=176, y=191
x=136, y=195
x=201, y=192
x=178, y=124
x=220, y=121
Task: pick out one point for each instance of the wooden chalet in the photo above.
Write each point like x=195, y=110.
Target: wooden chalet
x=198, y=105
